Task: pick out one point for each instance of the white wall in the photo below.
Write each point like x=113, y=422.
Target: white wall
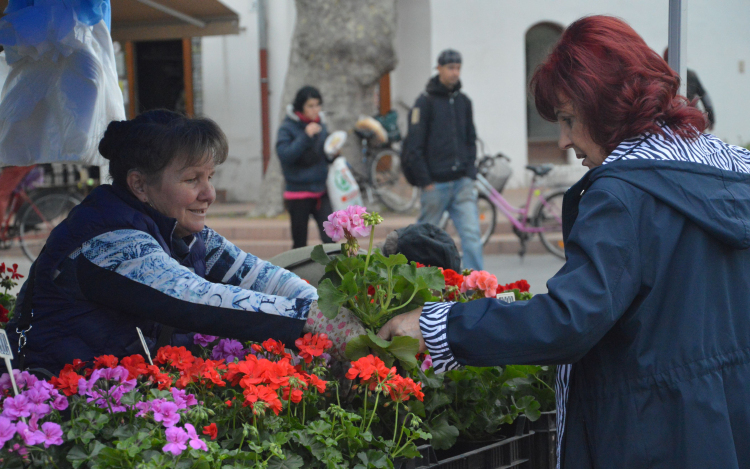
x=413, y=51
x=282, y=15
x=716, y=44
x=231, y=96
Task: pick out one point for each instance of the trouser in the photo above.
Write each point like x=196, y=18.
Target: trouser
x=300, y=211
x=10, y=177
x=459, y=198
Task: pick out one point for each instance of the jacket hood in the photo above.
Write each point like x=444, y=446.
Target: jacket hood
x=716, y=200
x=290, y=114
x=434, y=86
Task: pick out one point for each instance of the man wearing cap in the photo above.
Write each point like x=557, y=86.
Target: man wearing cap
x=442, y=141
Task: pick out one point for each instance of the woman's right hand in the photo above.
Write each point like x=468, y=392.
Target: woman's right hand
x=313, y=129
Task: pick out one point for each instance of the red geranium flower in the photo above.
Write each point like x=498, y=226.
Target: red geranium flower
x=136, y=366
x=370, y=369
x=401, y=389
x=4, y=314
x=317, y=383
x=312, y=345
x=67, y=382
x=211, y=431
x=178, y=357
x=276, y=347
x=105, y=361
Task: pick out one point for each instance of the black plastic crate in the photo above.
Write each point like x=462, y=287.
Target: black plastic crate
x=544, y=441
x=514, y=452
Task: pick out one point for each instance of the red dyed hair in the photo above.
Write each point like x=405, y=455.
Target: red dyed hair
x=620, y=87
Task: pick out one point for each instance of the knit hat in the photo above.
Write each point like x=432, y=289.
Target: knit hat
x=449, y=56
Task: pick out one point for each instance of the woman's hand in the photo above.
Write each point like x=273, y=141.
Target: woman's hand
x=404, y=324
x=313, y=129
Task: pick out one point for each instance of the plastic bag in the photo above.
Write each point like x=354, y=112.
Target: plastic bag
x=62, y=90
x=343, y=189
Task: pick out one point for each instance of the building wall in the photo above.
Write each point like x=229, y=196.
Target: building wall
x=490, y=34
x=231, y=96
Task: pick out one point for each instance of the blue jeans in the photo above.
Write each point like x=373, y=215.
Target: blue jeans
x=459, y=198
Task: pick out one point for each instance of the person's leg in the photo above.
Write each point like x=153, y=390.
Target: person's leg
x=465, y=215
x=435, y=202
x=299, y=214
x=322, y=210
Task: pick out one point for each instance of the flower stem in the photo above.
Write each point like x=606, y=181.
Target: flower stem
x=369, y=249
x=372, y=415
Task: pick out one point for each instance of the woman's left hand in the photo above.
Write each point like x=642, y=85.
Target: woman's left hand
x=404, y=324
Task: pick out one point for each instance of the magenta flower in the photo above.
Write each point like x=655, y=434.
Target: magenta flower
x=195, y=440
x=203, y=340
x=166, y=413
x=7, y=431
x=52, y=434
x=60, y=402
x=144, y=408
x=30, y=433
x=183, y=399
x=228, y=349
x=176, y=439
x=15, y=407
x=427, y=363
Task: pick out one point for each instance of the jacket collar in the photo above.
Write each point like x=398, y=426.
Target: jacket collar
x=434, y=86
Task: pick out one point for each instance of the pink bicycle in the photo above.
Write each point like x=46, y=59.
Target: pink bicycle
x=545, y=219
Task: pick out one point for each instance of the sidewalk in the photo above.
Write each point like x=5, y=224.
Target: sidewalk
x=267, y=237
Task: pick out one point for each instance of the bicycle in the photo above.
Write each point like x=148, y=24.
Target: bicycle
x=384, y=177
x=547, y=215
x=30, y=218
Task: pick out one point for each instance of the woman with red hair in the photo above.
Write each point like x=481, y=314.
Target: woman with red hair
x=648, y=318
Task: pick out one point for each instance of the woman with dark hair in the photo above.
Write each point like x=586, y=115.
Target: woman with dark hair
x=137, y=254
x=648, y=318
x=304, y=163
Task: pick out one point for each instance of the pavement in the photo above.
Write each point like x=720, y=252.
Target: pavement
x=267, y=237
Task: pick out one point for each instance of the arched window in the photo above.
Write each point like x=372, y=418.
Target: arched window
x=542, y=135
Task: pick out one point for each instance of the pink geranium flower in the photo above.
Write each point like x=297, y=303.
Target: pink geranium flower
x=7, y=430
x=52, y=434
x=338, y=224
x=481, y=280
x=166, y=413
x=176, y=439
x=30, y=433
x=15, y=407
x=358, y=227
x=195, y=440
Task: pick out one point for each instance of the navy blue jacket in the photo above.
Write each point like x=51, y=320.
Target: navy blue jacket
x=303, y=160
x=652, y=308
x=113, y=265
x=441, y=136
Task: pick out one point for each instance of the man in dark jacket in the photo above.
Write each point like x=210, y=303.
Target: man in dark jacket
x=442, y=140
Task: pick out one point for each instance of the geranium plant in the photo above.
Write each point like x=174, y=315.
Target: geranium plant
x=374, y=287
x=265, y=409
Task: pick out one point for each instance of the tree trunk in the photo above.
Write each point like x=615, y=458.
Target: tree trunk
x=341, y=47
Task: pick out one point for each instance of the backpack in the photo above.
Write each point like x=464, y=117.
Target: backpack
x=410, y=165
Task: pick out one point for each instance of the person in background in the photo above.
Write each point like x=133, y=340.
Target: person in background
x=442, y=141
x=137, y=254
x=10, y=178
x=695, y=89
x=648, y=318
x=299, y=145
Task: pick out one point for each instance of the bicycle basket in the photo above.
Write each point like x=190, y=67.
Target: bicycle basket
x=497, y=171
x=390, y=123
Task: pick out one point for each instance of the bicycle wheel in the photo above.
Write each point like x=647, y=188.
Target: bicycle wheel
x=39, y=218
x=389, y=182
x=549, y=216
x=487, y=219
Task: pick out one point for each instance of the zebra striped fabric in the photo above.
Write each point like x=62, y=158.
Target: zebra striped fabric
x=433, y=322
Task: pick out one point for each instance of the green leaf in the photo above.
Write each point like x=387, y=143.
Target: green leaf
x=320, y=256
x=390, y=261
x=437, y=400
x=405, y=350
x=382, y=343
x=291, y=462
x=443, y=434
x=330, y=299
x=410, y=451
x=530, y=407
x=77, y=456
x=433, y=278
x=349, y=284
x=417, y=408
x=357, y=348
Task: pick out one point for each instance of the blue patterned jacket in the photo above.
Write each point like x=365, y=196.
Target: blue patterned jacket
x=114, y=265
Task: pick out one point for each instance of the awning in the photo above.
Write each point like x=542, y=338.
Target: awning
x=149, y=20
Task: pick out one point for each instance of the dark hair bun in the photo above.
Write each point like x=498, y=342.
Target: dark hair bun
x=112, y=139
